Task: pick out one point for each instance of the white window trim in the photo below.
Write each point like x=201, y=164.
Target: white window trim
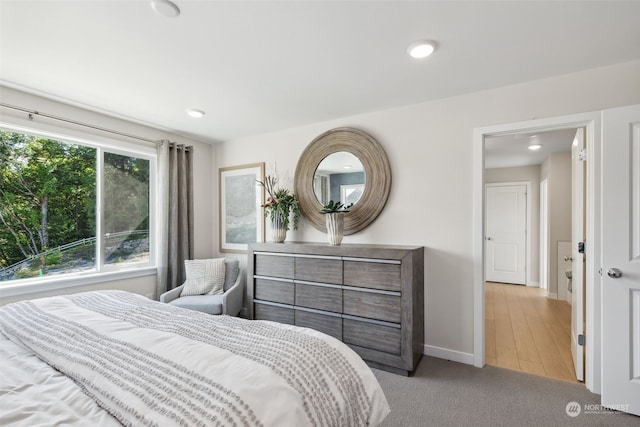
x=71, y=280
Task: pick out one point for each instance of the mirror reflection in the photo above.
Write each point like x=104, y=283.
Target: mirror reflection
x=339, y=177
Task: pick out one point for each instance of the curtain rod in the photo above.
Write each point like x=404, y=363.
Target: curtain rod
x=32, y=113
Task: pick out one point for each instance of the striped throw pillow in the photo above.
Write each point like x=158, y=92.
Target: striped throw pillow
x=204, y=277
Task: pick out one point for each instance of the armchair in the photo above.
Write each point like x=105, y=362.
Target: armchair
x=229, y=302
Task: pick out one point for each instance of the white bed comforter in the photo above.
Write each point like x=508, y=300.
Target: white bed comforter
x=114, y=357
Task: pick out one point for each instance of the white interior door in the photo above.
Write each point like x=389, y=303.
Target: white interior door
x=505, y=233
x=578, y=265
x=621, y=259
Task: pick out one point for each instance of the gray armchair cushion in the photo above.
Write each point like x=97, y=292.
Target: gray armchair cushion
x=211, y=304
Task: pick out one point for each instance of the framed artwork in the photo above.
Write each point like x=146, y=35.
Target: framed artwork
x=240, y=201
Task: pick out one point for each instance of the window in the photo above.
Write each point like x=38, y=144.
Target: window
x=351, y=193
x=72, y=207
x=126, y=209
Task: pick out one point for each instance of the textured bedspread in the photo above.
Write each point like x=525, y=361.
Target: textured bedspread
x=141, y=362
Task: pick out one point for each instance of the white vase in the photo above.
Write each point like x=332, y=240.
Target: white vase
x=335, y=227
x=278, y=229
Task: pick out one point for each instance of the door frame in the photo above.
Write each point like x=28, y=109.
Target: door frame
x=528, y=281
x=592, y=123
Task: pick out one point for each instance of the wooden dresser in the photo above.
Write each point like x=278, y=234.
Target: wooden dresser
x=371, y=297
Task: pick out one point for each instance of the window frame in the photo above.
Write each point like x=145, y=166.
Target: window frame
x=101, y=272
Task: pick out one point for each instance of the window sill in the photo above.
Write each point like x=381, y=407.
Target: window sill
x=29, y=286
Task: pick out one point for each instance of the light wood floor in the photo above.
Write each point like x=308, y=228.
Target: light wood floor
x=525, y=331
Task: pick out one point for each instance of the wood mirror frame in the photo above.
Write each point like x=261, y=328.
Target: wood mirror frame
x=377, y=177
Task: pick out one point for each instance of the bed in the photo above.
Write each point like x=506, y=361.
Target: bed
x=110, y=358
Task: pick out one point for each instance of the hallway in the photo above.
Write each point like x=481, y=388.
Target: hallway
x=525, y=331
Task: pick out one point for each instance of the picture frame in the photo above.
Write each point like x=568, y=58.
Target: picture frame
x=240, y=200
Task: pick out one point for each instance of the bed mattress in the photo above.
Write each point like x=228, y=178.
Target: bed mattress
x=111, y=358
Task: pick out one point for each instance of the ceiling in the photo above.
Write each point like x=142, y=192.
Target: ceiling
x=261, y=66
x=340, y=162
x=512, y=150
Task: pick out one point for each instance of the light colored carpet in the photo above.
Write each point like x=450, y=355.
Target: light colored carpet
x=444, y=393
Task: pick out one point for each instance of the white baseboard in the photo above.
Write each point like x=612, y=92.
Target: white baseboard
x=534, y=284
x=444, y=353
x=552, y=295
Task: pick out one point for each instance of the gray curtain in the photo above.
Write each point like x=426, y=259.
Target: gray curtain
x=175, y=205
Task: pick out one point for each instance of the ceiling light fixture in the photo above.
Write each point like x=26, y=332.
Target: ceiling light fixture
x=534, y=147
x=196, y=114
x=165, y=8
x=421, y=48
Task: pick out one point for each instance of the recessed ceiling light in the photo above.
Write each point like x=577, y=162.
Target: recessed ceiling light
x=195, y=113
x=534, y=147
x=421, y=48
x=165, y=8
x=347, y=166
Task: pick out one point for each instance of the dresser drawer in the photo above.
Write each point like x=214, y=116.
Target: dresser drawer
x=274, y=290
x=324, y=270
x=372, y=305
x=374, y=275
x=274, y=266
x=320, y=297
x=371, y=335
x=330, y=325
x=273, y=313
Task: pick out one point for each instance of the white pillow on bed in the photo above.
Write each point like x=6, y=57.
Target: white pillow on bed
x=204, y=277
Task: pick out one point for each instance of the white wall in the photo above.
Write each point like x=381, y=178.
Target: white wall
x=203, y=172
x=530, y=174
x=557, y=170
x=429, y=146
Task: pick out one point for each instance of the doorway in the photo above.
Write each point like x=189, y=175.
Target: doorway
x=529, y=328
x=591, y=123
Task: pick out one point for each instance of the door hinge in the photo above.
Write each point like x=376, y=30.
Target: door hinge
x=582, y=155
x=581, y=340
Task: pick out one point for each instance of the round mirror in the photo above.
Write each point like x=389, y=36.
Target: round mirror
x=339, y=177
x=371, y=194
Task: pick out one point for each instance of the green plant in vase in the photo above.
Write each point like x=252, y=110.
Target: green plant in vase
x=281, y=207
x=333, y=207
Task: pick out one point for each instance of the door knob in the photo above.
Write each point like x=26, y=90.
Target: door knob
x=614, y=273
